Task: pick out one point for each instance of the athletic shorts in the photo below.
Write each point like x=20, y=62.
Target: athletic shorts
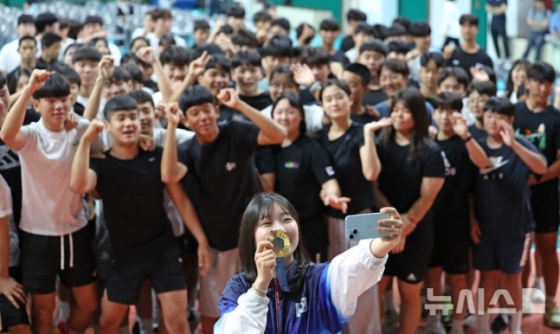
x=224, y=266
x=546, y=214
x=451, y=250
x=127, y=272
x=70, y=257
x=411, y=265
x=9, y=315
x=508, y=256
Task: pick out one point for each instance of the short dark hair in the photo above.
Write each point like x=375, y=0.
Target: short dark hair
x=541, y=71
x=283, y=69
x=483, y=88
x=12, y=85
x=161, y=13
x=93, y=19
x=375, y=46
x=236, y=11
x=210, y=48
x=316, y=57
x=448, y=100
x=403, y=21
x=361, y=71
x=120, y=74
x=139, y=38
x=380, y=31
x=469, y=19
x=244, y=37
x=25, y=19
x=63, y=24
x=226, y=29
x=201, y=24
x=329, y=25
x=299, y=32
x=167, y=40
x=356, y=15
x=94, y=41
x=27, y=38
x=335, y=82
x=56, y=86
x=43, y=20
x=175, y=55
x=119, y=103
x=135, y=73
x=279, y=46
x=399, y=46
x=86, y=53
x=195, y=96
x=394, y=65
x=218, y=60
x=437, y=57
x=67, y=72
x=131, y=56
x=3, y=80
x=499, y=105
x=282, y=23
x=455, y=72
x=396, y=30
x=490, y=72
x=246, y=58
x=49, y=39
x=262, y=16
x=141, y=96
x=363, y=27
x=420, y=29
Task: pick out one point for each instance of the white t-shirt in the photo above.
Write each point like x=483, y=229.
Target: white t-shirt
x=450, y=22
x=49, y=207
x=313, y=117
x=466, y=112
x=10, y=59
x=181, y=136
x=352, y=55
x=6, y=211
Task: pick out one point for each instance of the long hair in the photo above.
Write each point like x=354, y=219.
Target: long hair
x=414, y=101
x=295, y=102
x=509, y=83
x=256, y=210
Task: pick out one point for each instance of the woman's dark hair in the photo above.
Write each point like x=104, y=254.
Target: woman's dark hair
x=448, y=100
x=521, y=91
x=509, y=83
x=258, y=207
x=135, y=73
x=72, y=46
x=415, y=102
x=437, y=57
x=3, y=80
x=195, y=96
x=67, y=72
x=12, y=85
x=94, y=41
x=119, y=103
x=283, y=69
x=335, y=82
x=140, y=38
x=500, y=105
x=55, y=87
x=295, y=102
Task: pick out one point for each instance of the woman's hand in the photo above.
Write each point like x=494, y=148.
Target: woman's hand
x=265, y=261
x=393, y=228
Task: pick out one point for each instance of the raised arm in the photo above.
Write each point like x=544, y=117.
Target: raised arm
x=196, y=68
x=11, y=132
x=172, y=171
x=535, y=161
x=332, y=196
x=83, y=179
x=271, y=132
x=147, y=55
x=105, y=70
x=371, y=166
x=476, y=153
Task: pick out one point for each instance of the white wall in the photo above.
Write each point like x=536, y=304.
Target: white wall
x=379, y=11
x=436, y=21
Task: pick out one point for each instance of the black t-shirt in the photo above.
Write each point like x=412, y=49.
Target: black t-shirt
x=79, y=108
x=306, y=97
x=258, y=102
x=502, y=194
x=363, y=118
x=132, y=194
x=301, y=169
x=345, y=158
x=347, y=43
x=43, y=65
x=451, y=207
x=10, y=167
x=467, y=60
x=151, y=84
x=542, y=129
x=222, y=179
x=374, y=97
x=400, y=179
x=477, y=133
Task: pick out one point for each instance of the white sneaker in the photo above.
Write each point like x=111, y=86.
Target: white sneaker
x=537, y=294
x=527, y=307
x=470, y=320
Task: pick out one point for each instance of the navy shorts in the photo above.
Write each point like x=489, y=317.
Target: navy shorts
x=9, y=315
x=507, y=256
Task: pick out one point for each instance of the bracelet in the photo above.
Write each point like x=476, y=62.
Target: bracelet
x=263, y=292
x=466, y=140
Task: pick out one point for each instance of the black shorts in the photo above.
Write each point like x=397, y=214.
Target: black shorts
x=451, y=249
x=508, y=256
x=9, y=315
x=127, y=272
x=42, y=261
x=411, y=264
x=546, y=207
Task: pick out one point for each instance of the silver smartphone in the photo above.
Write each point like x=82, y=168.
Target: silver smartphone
x=364, y=226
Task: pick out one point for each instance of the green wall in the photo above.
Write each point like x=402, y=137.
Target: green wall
x=479, y=9
x=415, y=10
x=335, y=6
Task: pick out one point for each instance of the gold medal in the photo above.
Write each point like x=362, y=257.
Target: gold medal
x=280, y=241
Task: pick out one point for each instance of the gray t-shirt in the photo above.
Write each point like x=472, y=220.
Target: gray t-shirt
x=539, y=16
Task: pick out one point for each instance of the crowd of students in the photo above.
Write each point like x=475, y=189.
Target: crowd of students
x=155, y=172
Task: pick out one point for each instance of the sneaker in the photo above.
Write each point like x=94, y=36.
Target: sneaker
x=527, y=306
x=500, y=323
x=552, y=315
x=390, y=324
x=470, y=320
x=537, y=294
x=194, y=320
x=434, y=327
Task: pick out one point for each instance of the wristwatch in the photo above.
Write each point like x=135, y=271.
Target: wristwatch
x=314, y=87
